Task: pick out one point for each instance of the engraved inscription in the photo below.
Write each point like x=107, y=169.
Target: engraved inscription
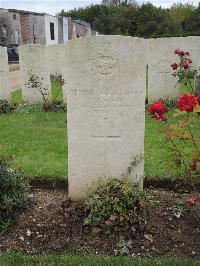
x=104, y=63
x=163, y=67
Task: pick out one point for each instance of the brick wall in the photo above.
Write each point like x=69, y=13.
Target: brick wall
x=25, y=29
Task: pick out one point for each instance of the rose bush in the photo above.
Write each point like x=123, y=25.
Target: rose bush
x=185, y=73
x=187, y=123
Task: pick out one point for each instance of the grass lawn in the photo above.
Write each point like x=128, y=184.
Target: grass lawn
x=18, y=259
x=38, y=144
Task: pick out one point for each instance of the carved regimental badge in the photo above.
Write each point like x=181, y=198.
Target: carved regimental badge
x=104, y=63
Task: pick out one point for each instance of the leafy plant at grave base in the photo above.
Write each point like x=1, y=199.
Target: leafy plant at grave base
x=185, y=128
x=13, y=194
x=5, y=107
x=185, y=73
x=124, y=246
x=178, y=210
x=181, y=209
x=117, y=204
x=27, y=108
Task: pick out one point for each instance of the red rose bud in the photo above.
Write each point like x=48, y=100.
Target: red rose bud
x=191, y=201
x=189, y=61
x=182, y=52
x=174, y=66
x=187, y=102
x=187, y=53
x=186, y=66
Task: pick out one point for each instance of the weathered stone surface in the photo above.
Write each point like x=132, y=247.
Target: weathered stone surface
x=4, y=78
x=34, y=58
x=105, y=83
x=55, y=58
x=160, y=57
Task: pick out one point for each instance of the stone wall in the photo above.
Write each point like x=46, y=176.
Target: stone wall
x=37, y=29
x=10, y=29
x=4, y=70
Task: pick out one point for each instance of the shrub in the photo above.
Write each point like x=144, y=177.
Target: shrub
x=5, y=107
x=13, y=193
x=116, y=203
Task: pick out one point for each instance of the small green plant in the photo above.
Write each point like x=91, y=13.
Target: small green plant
x=5, y=107
x=115, y=204
x=124, y=246
x=178, y=210
x=13, y=194
x=27, y=108
x=6, y=226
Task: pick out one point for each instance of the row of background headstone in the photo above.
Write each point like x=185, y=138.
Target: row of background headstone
x=46, y=60
x=4, y=85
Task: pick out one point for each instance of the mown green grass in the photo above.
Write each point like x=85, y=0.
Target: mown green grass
x=38, y=144
x=18, y=259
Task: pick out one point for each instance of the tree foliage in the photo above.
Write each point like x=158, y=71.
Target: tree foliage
x=126, y=17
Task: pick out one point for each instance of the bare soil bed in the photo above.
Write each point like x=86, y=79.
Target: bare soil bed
x=54, y=224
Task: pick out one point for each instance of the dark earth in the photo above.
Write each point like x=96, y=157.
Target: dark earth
x=54, y=224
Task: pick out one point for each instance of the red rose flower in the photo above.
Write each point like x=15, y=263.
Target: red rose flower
x=157, y=111
x=177, y=51
x=187, y=102
x=174, y=66
x=186, y=66
x=191, y=201
x=189, y=61
x=187, y=53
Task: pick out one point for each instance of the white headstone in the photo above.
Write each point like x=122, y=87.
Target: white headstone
x=161, y=83
x=56, y=54
x=34, y=58
x=4, y=75
x=55, y=58
x=105, y=83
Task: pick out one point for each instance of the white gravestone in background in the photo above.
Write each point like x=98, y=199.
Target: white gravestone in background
x=55, y=58
x=55, y=62
x=161, y=83
x=161, y=55
x=34, y=57
x=4, y=71
x=106, y=91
